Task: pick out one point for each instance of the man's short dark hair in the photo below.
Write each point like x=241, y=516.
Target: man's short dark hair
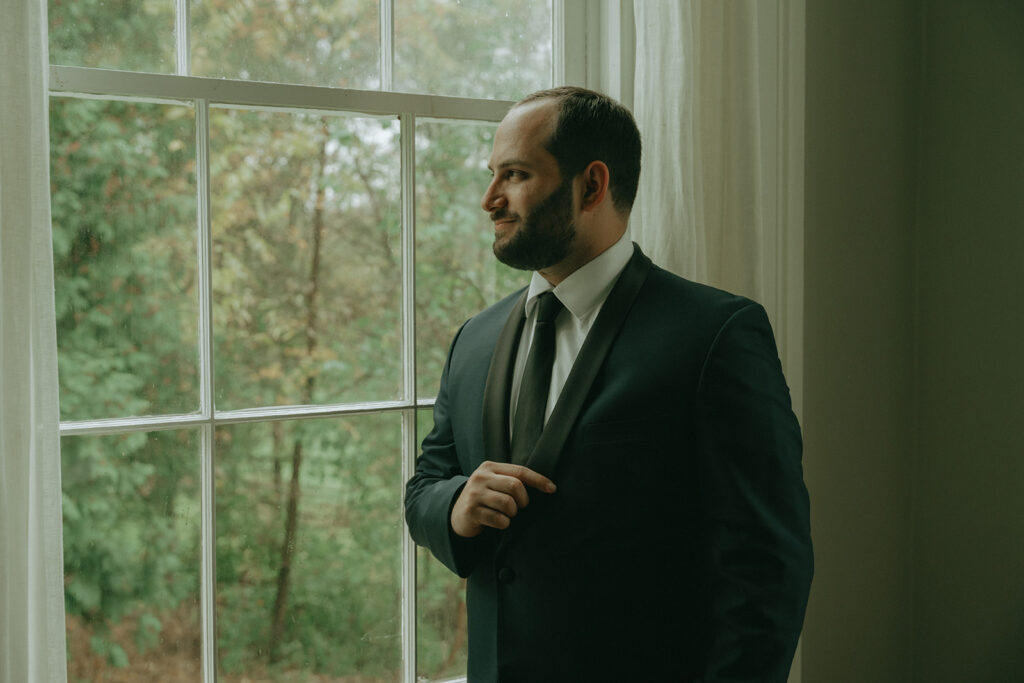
x=593, y=127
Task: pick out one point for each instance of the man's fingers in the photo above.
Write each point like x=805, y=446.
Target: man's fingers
x=501, y=502
x=531, y=478
x=492, y=518
x=511, y=486
x=522, y=473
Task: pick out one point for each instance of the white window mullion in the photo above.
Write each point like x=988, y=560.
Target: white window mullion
x=408, y=555
x=128, y=425
x=182, y=38
x=106, y=84
x=387, y=44
x=208, y=559
x=614, y=51
x=408, y=165
x=568, y=42
x=205, y=260
x=156, y=423
x=206, y=401
x=407, y=141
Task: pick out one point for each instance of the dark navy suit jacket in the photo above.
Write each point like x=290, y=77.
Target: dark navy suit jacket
x=677, y=546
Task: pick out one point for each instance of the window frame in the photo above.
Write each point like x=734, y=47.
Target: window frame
x=570, y=50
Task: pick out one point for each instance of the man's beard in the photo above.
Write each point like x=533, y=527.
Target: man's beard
x=544, y=236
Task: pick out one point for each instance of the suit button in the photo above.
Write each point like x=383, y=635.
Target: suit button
x=506, y=575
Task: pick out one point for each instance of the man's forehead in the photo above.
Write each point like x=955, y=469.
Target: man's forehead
x=522, y=133
x=532, y=118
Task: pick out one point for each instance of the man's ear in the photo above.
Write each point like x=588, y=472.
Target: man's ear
x=595, y=185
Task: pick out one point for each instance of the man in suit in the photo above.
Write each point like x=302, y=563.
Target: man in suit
x=614, y=463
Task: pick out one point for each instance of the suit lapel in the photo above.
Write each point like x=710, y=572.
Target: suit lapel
x=499, y=384
x=549, y=447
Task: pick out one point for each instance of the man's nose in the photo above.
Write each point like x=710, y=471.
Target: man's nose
x=492, y=199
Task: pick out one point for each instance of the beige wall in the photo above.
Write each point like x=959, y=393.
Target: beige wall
x=969, y=381
x=861, y=66
x=914, y=340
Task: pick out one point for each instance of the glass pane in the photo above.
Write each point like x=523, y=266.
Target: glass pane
x=124, y=239
x=307, y=258
x=473, y=48
x=441, y=633
x=133, y=36
x=131, y=556
x=312, y=42
x=309, y=538
x=457, y=275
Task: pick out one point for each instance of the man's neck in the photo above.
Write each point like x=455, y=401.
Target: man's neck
x=580, y=257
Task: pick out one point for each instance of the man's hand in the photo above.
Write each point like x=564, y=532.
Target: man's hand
x=493, y=495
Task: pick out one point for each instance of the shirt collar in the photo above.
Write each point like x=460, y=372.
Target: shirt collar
x=590, y=284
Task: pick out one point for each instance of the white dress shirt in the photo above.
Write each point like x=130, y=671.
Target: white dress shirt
x=583, y=294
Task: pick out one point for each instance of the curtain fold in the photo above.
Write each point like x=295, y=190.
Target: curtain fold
x=698, y=210
x=32, y=635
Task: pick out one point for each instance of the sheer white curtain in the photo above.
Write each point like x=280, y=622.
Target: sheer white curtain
x=31, y=565
x=698, y=210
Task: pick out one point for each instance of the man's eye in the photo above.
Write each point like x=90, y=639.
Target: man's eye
x=512, y=174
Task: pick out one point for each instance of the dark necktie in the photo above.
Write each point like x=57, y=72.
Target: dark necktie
x=533, y=390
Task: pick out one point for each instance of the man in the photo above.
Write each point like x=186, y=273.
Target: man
x=635, y=509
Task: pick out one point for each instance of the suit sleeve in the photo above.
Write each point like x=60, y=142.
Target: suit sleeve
x=432, y=490
x=756, y=508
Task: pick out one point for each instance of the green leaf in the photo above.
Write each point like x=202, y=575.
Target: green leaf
x=148, y=633
x=85, y=592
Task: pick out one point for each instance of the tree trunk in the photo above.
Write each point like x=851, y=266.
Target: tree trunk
x=277, y=434
x=294, y=489
x=287, y=553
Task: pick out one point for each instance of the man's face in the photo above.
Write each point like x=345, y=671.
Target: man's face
x=529, y=202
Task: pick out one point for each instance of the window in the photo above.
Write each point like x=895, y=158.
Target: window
x=266, y=232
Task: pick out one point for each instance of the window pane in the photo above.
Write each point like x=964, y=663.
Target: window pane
x=131, y=556
x=441, y=633
x=134, y=36
x=441, y=630
x=456, y=273
x=307, y=258
x=312, y=42
x=314, y=595
x=473, y=48
x=124, y=239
